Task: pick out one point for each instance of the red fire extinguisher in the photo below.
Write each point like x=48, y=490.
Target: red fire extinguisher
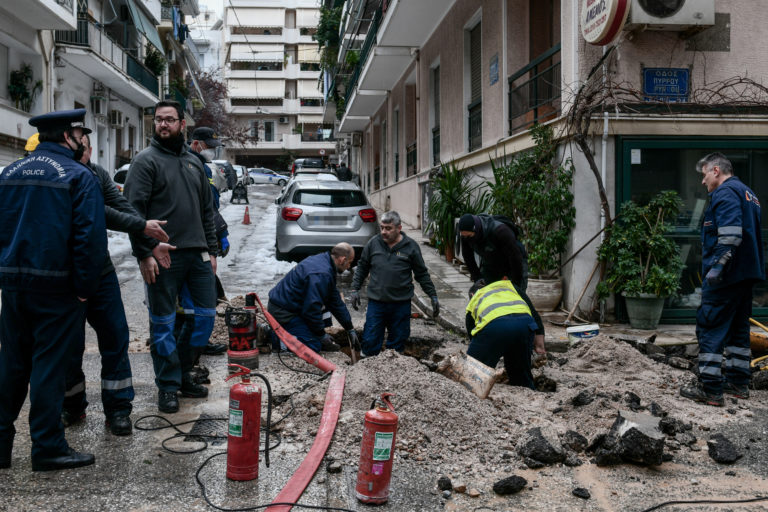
x=245, y=425
x=377, y=451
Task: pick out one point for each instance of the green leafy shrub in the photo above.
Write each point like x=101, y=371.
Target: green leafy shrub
x=534, y=190
x=639, y=255
x=22, y=87
x=154, y=60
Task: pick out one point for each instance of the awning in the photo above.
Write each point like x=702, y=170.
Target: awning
x=307, y=17
x=310, y=119
x=308, y=89
x=256, y=52
x=145, y=26
x=309, y=53
x=253, y=88
x=255, y=17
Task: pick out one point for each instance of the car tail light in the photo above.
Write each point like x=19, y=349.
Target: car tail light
x=291, y=213
x=368, y=215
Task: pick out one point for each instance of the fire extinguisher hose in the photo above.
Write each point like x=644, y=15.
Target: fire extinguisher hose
x=269, y=415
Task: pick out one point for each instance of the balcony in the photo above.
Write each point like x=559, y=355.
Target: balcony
x=94, y=53
x=43, y=14
x=535, y=90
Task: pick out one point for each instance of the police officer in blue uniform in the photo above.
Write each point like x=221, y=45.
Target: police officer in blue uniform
x=53, y=244
x=732, y=262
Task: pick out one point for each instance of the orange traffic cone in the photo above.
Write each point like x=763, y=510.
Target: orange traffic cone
x=246, y=217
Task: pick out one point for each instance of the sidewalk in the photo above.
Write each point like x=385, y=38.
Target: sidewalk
x=452, y=291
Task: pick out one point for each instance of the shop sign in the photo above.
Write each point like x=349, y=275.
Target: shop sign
x=602, y=20
x=666, y=84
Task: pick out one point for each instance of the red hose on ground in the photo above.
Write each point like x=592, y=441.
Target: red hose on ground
x=303, y=475
x=295, y=345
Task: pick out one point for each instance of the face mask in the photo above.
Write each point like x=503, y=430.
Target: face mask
x=208, y=154
x=79, y=148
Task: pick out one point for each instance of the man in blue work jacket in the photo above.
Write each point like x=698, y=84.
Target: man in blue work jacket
x=732, y=262
x=53, y=245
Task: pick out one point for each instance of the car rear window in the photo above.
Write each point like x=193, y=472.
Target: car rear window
x=311, y=163
x=332, y=198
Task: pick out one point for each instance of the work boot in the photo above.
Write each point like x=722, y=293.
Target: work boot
x=737, y=391
x=167, y=401
x=190, y=388
x=330, y=346
x=697, y=393
x=70, y=417
x=201, y=374
x=119, y=425
x=68, y=460
x=214, y=349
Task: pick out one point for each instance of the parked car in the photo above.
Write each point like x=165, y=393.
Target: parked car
x=119, y=177
x=315, y=176
x=264, y=175
x=315, y=215
x=225, y=176
x=307, y=163
x=240, y=171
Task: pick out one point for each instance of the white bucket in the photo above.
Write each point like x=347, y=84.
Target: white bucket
x=579, y=333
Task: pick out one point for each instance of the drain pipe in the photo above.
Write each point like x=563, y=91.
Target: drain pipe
x=603, y=166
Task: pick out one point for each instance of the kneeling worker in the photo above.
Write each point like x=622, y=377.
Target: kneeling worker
x=502, y=323
x=297, y=301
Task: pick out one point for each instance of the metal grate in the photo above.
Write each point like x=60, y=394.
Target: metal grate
x=207, y=425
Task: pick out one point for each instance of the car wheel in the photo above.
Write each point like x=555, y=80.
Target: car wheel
x=281, y=183
x=279, y=256
x=250, y=181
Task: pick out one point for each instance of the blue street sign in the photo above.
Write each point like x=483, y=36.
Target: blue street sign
x=666, y=84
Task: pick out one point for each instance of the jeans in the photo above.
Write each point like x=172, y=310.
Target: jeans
x=187, y=268
x=299, y=329
x=395, y=317
x=511, y=337
x=722, y=325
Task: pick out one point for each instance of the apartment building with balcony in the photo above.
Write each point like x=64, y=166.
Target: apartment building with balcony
x=271, y=65
x=462, y=81
x=26, y=44
x=100, y=66
x=205, y=31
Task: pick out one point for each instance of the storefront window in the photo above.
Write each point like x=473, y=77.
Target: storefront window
x=648, y=166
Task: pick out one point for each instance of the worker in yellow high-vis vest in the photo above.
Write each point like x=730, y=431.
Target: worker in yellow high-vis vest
x=502, y=323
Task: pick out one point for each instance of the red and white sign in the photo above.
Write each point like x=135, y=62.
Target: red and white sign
x=602, y=20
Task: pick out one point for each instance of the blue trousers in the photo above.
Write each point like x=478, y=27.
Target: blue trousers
x=105, y=313
x=722, y=327
x=511, y=337
x=304, y=334
x=38, y=333
x=187, y=268
x=394, y=317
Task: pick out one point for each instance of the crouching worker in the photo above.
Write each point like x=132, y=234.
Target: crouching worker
x=297, y=301
x=501, y=322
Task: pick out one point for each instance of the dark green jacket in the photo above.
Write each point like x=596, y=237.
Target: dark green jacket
x=392, y=270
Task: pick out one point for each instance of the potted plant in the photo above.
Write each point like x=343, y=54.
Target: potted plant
x=644, y=265
x=22, y=87
x=453, y=196
x=533, y=188
x=154, y=60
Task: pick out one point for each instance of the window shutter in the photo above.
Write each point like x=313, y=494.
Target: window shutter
x=475, y=64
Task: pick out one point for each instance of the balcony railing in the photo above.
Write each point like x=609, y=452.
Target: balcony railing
x=370, y=42
x=172, y=93
x=475, y=124
x=317, y=136
x=535, y=90
x=410, y=159
x=92, y=36
x=436, y=145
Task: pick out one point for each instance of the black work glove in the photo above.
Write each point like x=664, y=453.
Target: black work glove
x=476, y=286
x=353, y=339
x=435, y=307
x=354, y=298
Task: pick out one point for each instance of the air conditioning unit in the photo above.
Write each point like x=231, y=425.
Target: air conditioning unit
x=283, y=119
x=98, y=105
x=671, y=14
x=170, y=56
x=116, y=118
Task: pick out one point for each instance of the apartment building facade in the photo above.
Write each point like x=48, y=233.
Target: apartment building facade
x=271, y=66
x=461, y=81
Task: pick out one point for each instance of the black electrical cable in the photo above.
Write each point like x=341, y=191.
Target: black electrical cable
x=280, y=357
x=254, y=507
x=703, y=502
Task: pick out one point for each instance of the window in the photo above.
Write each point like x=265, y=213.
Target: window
x=436, y=115
x=269, y=131
x=385, y=153
x=395, y=142
x=475, y=110
x=668, y=164
x=331, y=198
x=3, y=71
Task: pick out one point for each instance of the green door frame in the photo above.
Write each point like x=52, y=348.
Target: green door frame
x=624, y=192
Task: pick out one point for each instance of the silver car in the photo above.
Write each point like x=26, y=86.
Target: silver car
x=315, y=215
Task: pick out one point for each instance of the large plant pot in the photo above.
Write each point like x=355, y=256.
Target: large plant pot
x=545, y=294
x=644, y=310
x=448, y=252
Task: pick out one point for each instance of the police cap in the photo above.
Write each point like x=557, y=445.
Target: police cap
x=61, y=119
x=206, y=135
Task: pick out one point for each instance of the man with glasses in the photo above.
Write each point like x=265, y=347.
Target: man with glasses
x=166, y=181
x=732, y=262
